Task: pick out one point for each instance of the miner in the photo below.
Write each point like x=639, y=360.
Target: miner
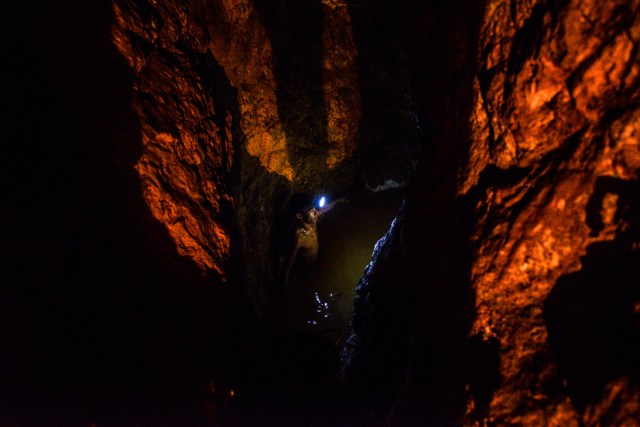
x=302, y=245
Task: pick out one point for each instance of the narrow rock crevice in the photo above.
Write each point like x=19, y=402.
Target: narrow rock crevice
x=156, y=149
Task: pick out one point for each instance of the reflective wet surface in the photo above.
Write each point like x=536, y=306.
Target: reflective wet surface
x=320, y=297
x=288, y=372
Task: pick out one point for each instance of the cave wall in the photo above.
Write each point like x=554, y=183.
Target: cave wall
x=566, y=230
x=149, y=150
x=506, y=292
x=157, y=141
x=242, y=104
x=101, y=316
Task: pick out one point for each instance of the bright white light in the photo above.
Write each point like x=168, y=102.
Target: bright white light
x=321, y=202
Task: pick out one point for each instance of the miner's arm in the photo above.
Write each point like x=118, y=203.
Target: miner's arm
x=331, y=205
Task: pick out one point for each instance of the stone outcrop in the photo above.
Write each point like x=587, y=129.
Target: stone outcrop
x=150, y=161
x=515, y=301
x=152, y=148
x=558, y=105
x=241, y=104
x=187, y=140
x=529, y=181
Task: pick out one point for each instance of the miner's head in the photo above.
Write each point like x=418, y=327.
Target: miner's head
x=308, y=215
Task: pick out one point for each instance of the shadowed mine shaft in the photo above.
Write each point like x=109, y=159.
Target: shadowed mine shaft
x=484, y=271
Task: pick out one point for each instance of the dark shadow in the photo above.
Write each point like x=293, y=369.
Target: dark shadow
x=626, y=207
x=439, y=381
x=102, y=321
x=392, y=134
x=411, y=348
x=390, y=137
x=594, y=332
x=482, y=373
x=295, y=31
x=295, y=373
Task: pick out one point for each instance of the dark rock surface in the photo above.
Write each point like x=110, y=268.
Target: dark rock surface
x=152, y=147
x=243, y=103
x=516, y=301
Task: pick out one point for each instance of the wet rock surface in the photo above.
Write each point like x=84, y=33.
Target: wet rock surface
x=242, y=104
x=155, y=146
x=524, y=247
x=97, y=299
x=150, y=153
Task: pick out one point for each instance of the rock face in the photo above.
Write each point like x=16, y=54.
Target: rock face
x=147, y=168
x=507, y=291
x=96, y=298
x=559, y=107
x=185, y=175
x=241, y=104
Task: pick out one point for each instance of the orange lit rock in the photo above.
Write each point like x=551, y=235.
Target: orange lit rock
x=506, y=288
x=504, y=283
x=238, y=40
x=241, y=42
x=340, y=82
x=187, y=153
x=548, y=113
x=235, y=114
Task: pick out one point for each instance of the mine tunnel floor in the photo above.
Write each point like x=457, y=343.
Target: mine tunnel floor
x=320, y=297
x=292, y=376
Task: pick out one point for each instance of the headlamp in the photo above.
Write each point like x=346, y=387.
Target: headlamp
x=321, y=202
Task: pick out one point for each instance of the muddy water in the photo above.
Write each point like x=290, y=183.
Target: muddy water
x=320, y=297
x=286, y=371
